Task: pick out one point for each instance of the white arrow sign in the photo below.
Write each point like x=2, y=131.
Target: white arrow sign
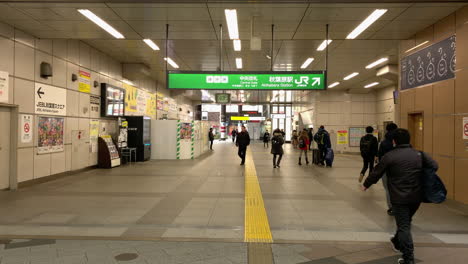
x=316, y=81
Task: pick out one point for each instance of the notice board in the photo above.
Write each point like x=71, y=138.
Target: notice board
x=355, y=135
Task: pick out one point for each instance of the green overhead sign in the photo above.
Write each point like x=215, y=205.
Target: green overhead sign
x=247, y=80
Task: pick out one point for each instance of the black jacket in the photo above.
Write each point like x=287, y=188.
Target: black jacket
x=266, y=137
x=374, y=145
x=404, y=170
x=210, y=135
x=322, y=138
x=243, y=139
x=386, y=145
x=277, y=148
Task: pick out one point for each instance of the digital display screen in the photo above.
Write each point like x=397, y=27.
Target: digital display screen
x=114, y=100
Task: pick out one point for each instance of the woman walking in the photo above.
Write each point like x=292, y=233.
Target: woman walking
x=266, y=139
x=303, y=144
x=277, y=147
x=294, y=139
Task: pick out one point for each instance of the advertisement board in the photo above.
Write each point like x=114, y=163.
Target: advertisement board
x=50, y=134
x=246, y=81
x=4, y=87
x=50, y=100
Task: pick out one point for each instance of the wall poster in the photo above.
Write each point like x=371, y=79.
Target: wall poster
x=131, y=94
x=93, y=135
x=84, y=82
x=26, y=128
x=342, y=138
x=50, y=134
x=186, y=131
x=432, y=64
x=465, y=128
x=4, y=86
x=355, y=135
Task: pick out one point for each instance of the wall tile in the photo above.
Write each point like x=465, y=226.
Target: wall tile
x=42, y=57
x=60, y=48
x=24, y=95
x=41, y=165
x=95, y=57
x=462, y=16
x=85, y=55
x=462, y=53
x=25, y=38
x=71, y=124
x=72, y=103
x=444, y=93
x=84, y=126
x=461, y=180
x=461, y=145
x=73, y=51
x=446, y=173
x=25, y=164
x=323, y=107
x=444, y=28
x=11, y=94
x=7, y=55
x=104, y=64
x=60, y=72
x=357, y=107
x=93, y=159
x=461, y=91
x=357, y=120
x=424, y=35
x=24, y=61
x=444, y=135
x=406, y=45
x=72, y=69
x=44, y=45
x=68, y=157
x=95, y=77
x=58, y=162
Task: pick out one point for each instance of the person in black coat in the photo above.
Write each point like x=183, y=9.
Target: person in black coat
x=386, y=146
x=243, y=140
x=323, y=142
x=266, y=139
x=234, y=134
x=404, y=169
x=211, y=138
x=311, y=137
x=369, y=147
x=277, y=142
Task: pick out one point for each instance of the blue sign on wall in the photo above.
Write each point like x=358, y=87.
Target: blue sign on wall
x=432, y=64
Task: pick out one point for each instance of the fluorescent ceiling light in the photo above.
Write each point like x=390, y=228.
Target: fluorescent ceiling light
x=324, y=44
x=127, y=82
x=98, y=21
x=237, y=44
x=231, y=19
x=417, y=46
x=333, y=84
x=366, y=23
x=351, y=76
x=150, y=43
x=171, y=62
x=377, y=62
x=371, y=85
x=239, y=63
x=307, y=63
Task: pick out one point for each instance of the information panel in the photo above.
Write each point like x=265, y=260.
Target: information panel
x=246, y=81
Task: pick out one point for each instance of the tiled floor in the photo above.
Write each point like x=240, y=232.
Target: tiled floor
x=310, y=208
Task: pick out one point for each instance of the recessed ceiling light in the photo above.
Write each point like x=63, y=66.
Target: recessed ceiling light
x=324, y=44
x=377, y=62
x=239, y=63
x=307, y=63
x=231, y=20
x=417, y=46
x=127, y=82
x=101, y=23
x=351, y=76
x=171, y=62
x=371, y=85
x=237, y=45
x=333, y=84
x=366, y=23
x=151, y=44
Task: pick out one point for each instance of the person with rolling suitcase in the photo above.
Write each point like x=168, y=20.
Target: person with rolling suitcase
x=323, y=141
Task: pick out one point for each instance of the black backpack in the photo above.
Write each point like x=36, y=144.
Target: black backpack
x=366, y=145
x=302, y=143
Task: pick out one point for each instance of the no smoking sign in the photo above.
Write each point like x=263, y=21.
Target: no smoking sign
x=26, y=128
x=465, y=128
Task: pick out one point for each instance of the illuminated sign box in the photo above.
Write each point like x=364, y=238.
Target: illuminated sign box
x=247, y=118
x=311, y=80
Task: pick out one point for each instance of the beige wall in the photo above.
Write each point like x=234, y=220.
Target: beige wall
x=444, y=105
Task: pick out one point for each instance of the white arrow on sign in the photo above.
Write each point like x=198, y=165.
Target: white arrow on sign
x=316, y=81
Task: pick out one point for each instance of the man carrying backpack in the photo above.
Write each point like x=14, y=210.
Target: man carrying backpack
x=405, y=169
x=369, y=147
x=323, y=141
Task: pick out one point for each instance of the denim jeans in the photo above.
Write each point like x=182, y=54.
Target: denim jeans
x=404, y=216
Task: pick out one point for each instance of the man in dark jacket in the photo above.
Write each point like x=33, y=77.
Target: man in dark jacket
x=386, y=146
x=323, y=141
x=369, y=147
x=404, y=169
x=211, y=138
x=311, y=137
x=243, y=140
x=234, y=134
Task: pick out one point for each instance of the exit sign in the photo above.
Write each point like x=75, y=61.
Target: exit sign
x=315, y=80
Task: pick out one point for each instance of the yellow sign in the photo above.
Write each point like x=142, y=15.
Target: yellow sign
x=84, y=82
x=342, y=137
x=240, y=118
x=131, y=95
x=151, y=106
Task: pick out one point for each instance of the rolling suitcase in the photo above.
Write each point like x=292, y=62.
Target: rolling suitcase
x=315, y=156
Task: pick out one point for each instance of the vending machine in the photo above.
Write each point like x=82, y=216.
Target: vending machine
x=139, y=136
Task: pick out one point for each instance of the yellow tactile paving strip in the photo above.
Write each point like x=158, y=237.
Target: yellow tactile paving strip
x=256, y=225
